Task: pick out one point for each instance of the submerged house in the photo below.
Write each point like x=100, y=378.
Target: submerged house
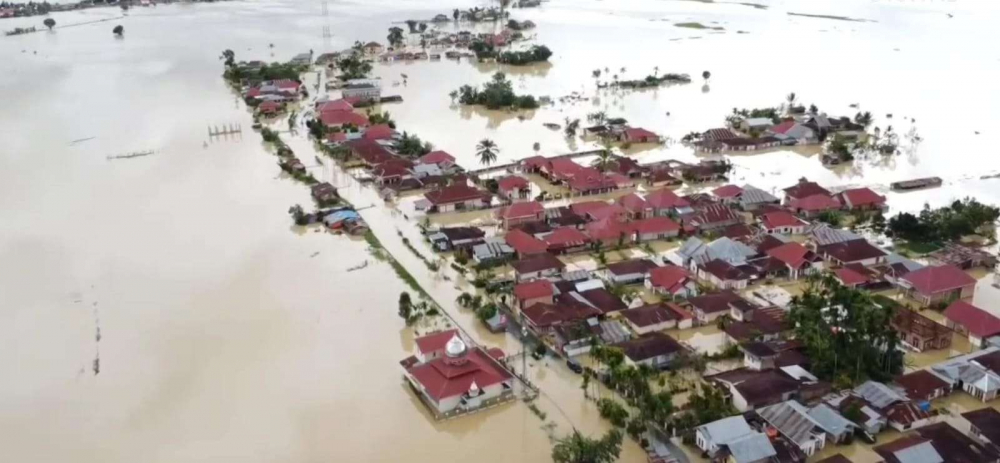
x=457, y=379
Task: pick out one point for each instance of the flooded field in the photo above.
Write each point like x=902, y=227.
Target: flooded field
x=163, y=308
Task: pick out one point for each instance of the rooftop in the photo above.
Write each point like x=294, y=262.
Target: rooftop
x=979, y=322
x=533, y=289
x=649, y=315
x=537, y=263
x=650, y=345
x=933, y=280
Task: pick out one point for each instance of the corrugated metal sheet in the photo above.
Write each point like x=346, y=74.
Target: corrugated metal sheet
x=726, y=430
x=831, y=421
x=878, y=394
x=751, y=448
x=753, y=195
x=920, y=453
x=792, y=419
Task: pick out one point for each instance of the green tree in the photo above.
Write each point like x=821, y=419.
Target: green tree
x=605, y=161
x=411, y=145
x=405, y=307
x=395, y=36
x=572, y=125
x=790, y=98
x=833, y=218
x=612, y=411
x=845, y=332
x=864, y=118
x=487, y=151
x=229, y=57
x=706, y=75
x=597, y=118
x=118, y=30
x=49, y=23
x=577, y=448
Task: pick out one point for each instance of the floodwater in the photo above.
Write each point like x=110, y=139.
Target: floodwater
x=224, y=332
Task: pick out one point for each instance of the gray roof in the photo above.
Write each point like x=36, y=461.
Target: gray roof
x=492, y=248
x=791, y=419
x=725, y=249
x=923, y=452
x=824, y=234
x=726, y=430
x=759, y=121
x=751, y=448
x=878, y=394
x=754, y=195
x=799, y=131
x=910, y=265
x=831, y=421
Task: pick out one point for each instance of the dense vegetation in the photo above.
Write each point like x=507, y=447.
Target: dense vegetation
x=496, y=94
x=535, y=54
x=577, y=448
x=948, y=223
x=846, y=333
x=353, y=67
x=654, y=81
x=238, y=73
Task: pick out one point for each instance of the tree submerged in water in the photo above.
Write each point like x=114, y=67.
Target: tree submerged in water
x=49, y=23
x=118, y=30
x=497, y=93
x=577, y=448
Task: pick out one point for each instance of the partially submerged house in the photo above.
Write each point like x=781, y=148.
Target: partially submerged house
x=922, y=385
x=940, y=443
x=794, y=422
x=650, y=318
x=920, y=332
x=984, y=424
x=931, y=285
x=461, y=380
x=537, y=266
x=672, y=281
x=967, y=319
x=457, y=197
x=656, y=350
x=732, y=439
x=628, y=272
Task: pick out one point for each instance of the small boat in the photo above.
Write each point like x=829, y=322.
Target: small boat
x=552, y=125
x=916, y=184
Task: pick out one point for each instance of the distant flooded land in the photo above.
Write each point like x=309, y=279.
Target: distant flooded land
x=520, y=231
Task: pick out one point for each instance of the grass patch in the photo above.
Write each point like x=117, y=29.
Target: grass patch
x=432, y=266
x=917, y=247
x=401, y=271
x=696, y=25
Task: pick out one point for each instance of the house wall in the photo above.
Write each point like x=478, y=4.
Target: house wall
x=540, y=274
x=797, y=230
x=703, y=443
x=979, y=393
x=706, y=318
x=719, y=283
x=658, y=236
x=627, y=279
x=652, y=328
x=813, y=444
x=514, y=221
x=739, y=402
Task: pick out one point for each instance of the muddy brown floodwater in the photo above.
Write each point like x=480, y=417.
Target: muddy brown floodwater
x=226, y=333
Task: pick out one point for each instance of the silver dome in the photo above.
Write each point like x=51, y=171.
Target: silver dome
x=455, y=347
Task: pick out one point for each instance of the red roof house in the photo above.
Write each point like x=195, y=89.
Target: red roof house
x=969, y=319
x=561, y=169
x=728, y=193
x=370, y=152
x=654, y=228
x=930, y=285
x=665, y=201
x=673, y=281
x=457, y=197
x=513, y=187
x=862, y=199
x=804, y=189
x=336, y=137
x=796, y=257
x=599, y=210
x=342, y=118
x=590, y=181
x=635, y=206
x=852, y=276
x=379, y=132
x=566, y=239
x=533, y=292
x=639, y=135
x=334, y=105
x=783, y=222
x=269, y=107
x=524, y=244
x=441, y=158
x=608, y=231
x=814, y=205
x=521, y=213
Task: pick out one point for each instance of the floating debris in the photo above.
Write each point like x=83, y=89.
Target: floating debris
x=81, y=140
x=358, y=267
x=134, y=154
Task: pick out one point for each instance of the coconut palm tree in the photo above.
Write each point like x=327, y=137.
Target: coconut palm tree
x=656, y=71
x=596, y=73
x=605, y=160
x=791, y=99
x=487, y=151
